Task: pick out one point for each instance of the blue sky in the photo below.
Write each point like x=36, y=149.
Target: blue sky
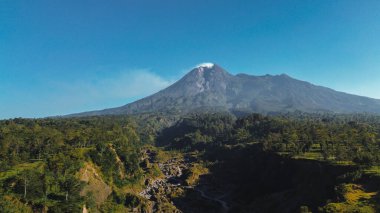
x=60, y=57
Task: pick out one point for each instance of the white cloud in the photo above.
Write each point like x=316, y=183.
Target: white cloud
x=130, y=85
x=92, y=94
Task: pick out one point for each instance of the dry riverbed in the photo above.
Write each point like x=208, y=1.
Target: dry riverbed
x=177, y=180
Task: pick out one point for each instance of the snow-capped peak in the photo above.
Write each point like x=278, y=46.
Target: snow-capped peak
x=205, y=65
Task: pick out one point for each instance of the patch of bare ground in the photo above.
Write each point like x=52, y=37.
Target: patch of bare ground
x=94, y=184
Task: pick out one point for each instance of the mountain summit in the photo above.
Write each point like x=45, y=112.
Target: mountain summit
x=209, y=87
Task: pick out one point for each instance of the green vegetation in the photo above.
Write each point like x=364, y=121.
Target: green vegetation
x=193, y=173
x=49, y=164
x=354, y=199
x=293, y=161
x=373, y=170
x=281, y=163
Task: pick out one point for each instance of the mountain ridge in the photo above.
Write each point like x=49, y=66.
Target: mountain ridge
x=209, y=87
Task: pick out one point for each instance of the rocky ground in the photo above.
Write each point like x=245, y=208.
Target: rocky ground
x=173, y=183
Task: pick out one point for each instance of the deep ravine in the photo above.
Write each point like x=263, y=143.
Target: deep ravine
x=173, y=172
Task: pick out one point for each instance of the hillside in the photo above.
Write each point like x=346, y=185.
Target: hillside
x=209, y=87
x=202, y=163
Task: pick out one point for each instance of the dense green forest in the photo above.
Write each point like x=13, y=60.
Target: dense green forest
x=41, y=159
x=211, y=162
x=348, y=138
x=286, y=163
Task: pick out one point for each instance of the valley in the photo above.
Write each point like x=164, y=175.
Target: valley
x=196, y=106
x=200, y=163
x=211, y=142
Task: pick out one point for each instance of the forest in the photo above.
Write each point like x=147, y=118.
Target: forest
x=201, y=162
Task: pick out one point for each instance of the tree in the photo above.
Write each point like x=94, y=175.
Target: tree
x=70, y=185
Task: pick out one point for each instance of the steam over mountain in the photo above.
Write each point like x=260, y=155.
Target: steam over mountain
x=210, y=87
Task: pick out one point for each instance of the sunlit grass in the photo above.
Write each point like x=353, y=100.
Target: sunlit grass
x=354, y=193
x=20, y=168
x=374, y=170
x=343, y=163
x=355, y=200
x=310, y=156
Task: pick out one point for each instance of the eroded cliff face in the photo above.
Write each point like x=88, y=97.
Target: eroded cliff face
x=95, y=185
